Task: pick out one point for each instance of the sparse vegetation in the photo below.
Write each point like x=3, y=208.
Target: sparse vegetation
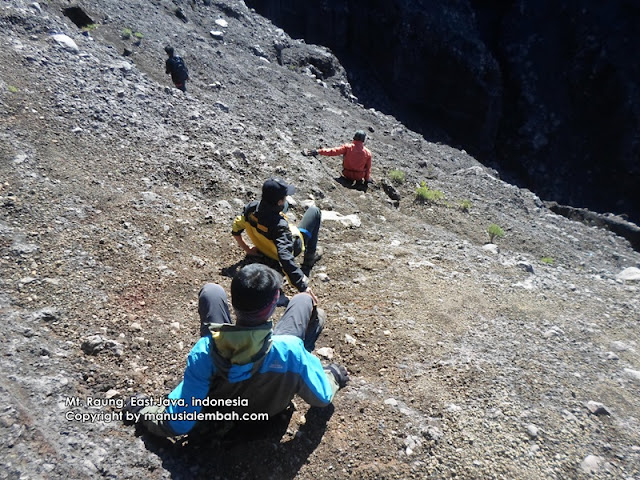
x=494, y=232
x=397, y=176
x=426, y=195
x=547, y=260
x=465, y=205
x=138, y=35
x=126, y=33
x=90, y=27
x=13, y=89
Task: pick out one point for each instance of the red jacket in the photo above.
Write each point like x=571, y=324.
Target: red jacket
x=356, y=163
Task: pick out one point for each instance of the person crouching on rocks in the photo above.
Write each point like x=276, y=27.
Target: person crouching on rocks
x=356, y=160
x=248, y=368
x=273, y=236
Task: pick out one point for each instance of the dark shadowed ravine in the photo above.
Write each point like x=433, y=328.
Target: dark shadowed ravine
x=544, y=91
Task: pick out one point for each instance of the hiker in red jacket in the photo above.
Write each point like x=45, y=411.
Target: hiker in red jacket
x=356, y=161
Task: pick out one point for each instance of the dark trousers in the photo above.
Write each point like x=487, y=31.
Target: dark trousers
x=309, y=226
x=300, y=319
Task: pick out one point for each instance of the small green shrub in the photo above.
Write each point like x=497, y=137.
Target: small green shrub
x=138, y=35
x=465, y=205
x=126, y=34
x=547, y=260
x=397, y=176
x=494, y=231
x=90, y=27
x=13, y=89
x=425, y=195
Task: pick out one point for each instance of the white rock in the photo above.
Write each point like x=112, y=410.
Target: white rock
x=349, y=339
x=217, y=34
x=553, y=332
x=136, y=327
x=323, y=277
x=620, y=346
x=491, y=248
x=635, y=374
x=422, y=263
x=221, y=22
x=631, y=274
x=66, y=42
x=112, y=393
x=347, y=220
x=597, y=408
x=325, y=352
x=391, y=401
x=532, y=430
x=591, y=464
x=290, y=200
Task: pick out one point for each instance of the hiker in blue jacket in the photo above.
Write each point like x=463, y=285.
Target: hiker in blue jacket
x=248, y=368
x=176, y=67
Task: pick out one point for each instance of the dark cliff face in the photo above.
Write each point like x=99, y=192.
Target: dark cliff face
x=549, y=91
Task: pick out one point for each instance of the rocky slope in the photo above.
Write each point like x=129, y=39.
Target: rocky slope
x=117, y=195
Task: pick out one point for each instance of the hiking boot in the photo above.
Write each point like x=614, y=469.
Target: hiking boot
x=311, y=259
x=283, y=300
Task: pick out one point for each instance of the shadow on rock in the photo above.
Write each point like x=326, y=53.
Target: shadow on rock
x=362, y=187
x=232, y=270
x=248, y=450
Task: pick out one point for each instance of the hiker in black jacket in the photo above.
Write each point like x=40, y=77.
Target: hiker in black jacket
x=178, y=70
x=273, y=236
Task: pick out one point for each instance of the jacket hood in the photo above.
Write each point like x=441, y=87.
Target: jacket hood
x=239, y=345
x=265, y=206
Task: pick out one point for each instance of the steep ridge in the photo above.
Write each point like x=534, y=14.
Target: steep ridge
x=117, y=196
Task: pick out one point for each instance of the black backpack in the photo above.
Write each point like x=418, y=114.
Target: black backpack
x=180, y=69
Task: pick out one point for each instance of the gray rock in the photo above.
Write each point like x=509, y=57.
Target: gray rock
x=258, y=51
x=597, y=408
x=95, y=344
x=527, y=267
x=491, y=248
x=635, y=374
x=532, y=430
x=46, y=315
x=65, y=42
x=222, y=106
x=433, y=433
x=591, y=464
x=631, y=274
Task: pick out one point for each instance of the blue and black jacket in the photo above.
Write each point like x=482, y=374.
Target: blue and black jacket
x=246, y=363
